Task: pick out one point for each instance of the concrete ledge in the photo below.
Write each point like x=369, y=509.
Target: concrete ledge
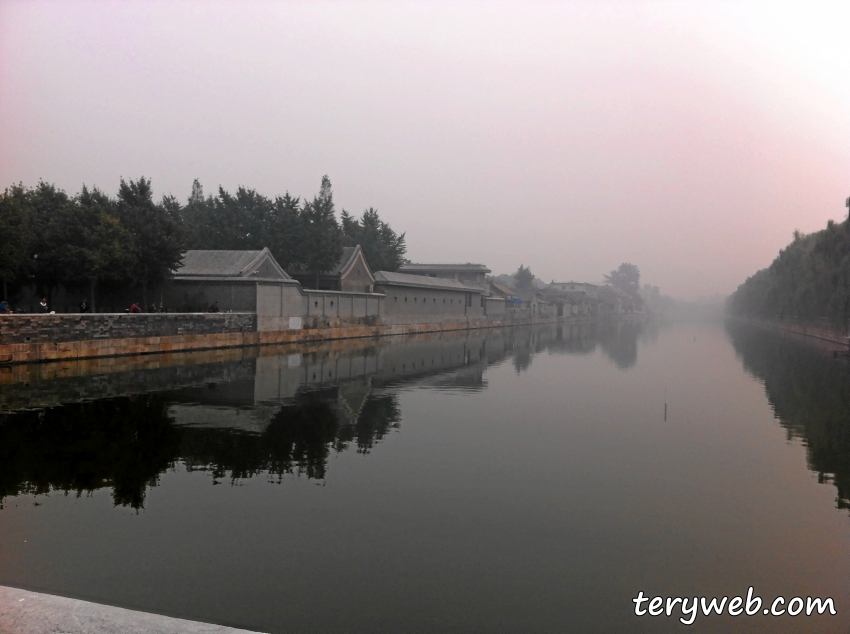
x=24, y=612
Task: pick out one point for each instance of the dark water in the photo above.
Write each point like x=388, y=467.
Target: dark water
x=502, y=481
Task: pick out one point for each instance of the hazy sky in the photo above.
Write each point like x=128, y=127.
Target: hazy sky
x=688, y=138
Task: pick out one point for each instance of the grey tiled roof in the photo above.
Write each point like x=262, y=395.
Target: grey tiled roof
x=469, y=267
x=218, y=264
x=422, y=281
x=503, y=289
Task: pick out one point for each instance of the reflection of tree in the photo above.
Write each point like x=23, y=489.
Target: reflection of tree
x=298, y=439
x=124, y=443
x=810, y=396
x=378, y=416
x=618, y=339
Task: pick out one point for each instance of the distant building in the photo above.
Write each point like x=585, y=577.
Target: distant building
x=589, y=289
x=469, y=274
x=350, y=274
x=613, y=300
x=420, y=298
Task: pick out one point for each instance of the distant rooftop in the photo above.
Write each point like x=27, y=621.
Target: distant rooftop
x=468, y=267
x=505, y=290
x=423, y=281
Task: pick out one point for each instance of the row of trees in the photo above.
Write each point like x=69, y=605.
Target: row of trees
x=809, y=280
x=51, y=239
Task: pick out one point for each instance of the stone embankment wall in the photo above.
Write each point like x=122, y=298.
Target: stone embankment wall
x=824, y=335
x=102, y=326
x=36, y=338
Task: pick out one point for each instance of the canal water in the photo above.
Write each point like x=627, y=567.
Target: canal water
x=523, y=480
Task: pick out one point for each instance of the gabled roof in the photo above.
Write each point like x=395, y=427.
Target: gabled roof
x=349, y=258
x=422, y=281
x=446, y=268
x=616, y=291
x=208, y=264
x=346, y=261
x=501, y=288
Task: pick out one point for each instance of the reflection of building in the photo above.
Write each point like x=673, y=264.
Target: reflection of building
x=271, y=414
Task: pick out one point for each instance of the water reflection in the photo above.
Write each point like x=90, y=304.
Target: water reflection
x=809, y=393
x=270, y=414
x=121, y=443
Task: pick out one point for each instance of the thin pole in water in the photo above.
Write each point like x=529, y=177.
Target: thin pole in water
x=665, y=404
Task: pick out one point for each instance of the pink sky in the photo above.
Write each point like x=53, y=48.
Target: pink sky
x=688, y=138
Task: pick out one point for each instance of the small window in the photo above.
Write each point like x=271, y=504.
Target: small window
x=405, y=300
x=332, y=302
x=395, y=299
x=415, y=299
x=316, y=304
x=444, y=300
x=435, y=300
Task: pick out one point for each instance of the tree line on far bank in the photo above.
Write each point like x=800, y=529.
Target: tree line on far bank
x=95, y=241
x=808, y=281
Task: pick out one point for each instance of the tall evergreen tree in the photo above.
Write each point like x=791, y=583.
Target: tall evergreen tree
x=48, y=204
x=322, y=235
x=383, y=249
x=17, y=234
x=284, y=231
x=243, y=218
x=199, y=220
x=524, y=277
x=158, y=244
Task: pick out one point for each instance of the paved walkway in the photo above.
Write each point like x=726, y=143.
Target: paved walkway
x=23, y=612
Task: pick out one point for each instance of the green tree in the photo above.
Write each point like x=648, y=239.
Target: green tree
x=91, y=245
x=158, y=243
x=48, y=205
x=284, y=231
x=524, y=277
x=242, y=218
x=16, y=232
x=627, y=278
x=322, y=235
x=383, y=249
x=199, y=221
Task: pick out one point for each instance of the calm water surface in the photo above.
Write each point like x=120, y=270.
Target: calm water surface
x=502, y=481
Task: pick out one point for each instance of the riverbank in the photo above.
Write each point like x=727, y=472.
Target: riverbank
x=822, y=336
x=25, y=612
x=41, y=338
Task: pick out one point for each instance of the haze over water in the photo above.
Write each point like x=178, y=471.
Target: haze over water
x=504, y=481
